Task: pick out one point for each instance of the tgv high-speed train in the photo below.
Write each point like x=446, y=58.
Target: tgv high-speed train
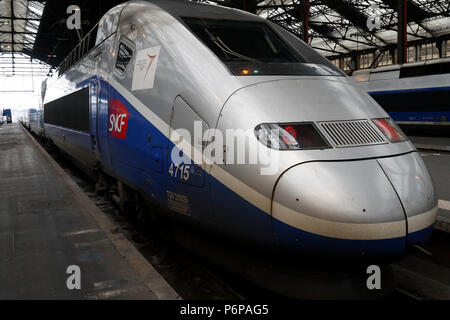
x=8, y=116
x=33, y=119
x=416, y=95
x=347, y=184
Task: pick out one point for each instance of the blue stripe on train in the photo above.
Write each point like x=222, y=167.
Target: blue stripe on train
x=310, y=243
x=442, y=116
x=134, y=160
x=421, y=236
x=409, y=90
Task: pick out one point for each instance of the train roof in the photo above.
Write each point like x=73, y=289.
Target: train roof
x=426, y=63
x=181, y=8
x=407, y=70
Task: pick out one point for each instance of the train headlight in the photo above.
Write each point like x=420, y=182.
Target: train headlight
x=293, y=136
x=390, y=129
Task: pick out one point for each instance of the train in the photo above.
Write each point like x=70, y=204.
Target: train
x=416, y=95
x=33, y=120
x=337, y=185
x=7, y=114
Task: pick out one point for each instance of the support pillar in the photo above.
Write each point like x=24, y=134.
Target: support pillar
x=305, y=15
x=402, y=38
x=249, y=6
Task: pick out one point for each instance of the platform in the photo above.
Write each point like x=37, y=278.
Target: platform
x=431, y=143
x=48, y=224
x=438, y=164
x=435, y=152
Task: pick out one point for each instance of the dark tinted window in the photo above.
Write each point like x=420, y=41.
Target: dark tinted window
x=123, y=57
x=424, y=100
x=307, y=52
x=71, y=111
x=425, y=70
x=236, y=40
x=252, y=48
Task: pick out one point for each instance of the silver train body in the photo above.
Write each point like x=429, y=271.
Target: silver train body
x=33, y=120
x=356, y=196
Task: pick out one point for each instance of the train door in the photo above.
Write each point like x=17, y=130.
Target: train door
x=94, y=99
x=99, y=107
x=187, y=187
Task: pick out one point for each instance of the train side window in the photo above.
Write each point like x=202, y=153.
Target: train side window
x=425, y=70
x=123, y=57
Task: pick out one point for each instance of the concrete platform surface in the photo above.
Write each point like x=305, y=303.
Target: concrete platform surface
x=431, y=143
x=48, y=224
x=438, y=164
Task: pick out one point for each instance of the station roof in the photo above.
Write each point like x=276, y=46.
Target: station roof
x=19, y=25
x=341, y=26
x=35, y=30
x=336, y=27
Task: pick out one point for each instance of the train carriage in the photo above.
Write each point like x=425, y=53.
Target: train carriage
x=347, y=183
x=416, y=95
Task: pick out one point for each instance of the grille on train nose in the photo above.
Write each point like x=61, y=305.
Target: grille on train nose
x=352, y=133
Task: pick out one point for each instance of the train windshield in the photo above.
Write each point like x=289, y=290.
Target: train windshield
x=253, y=48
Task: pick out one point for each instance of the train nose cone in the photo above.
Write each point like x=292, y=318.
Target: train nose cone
x=410, y=178
x=339, y=209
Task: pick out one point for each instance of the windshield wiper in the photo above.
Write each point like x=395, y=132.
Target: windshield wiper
x=218, y=42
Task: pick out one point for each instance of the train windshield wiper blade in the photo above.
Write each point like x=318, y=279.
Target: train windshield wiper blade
x=225, y=49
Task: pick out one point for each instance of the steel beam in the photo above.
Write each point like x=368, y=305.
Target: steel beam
x=402, y=34
x=306, y=5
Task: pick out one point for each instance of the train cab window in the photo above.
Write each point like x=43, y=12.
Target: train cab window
x=252, y=48
x=241, y=40
x=123, y=57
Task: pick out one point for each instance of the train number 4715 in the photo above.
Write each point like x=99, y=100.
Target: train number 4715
x=180, y=171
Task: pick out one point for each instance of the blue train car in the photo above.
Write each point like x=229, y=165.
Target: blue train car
x=416, y=95
x=8, y=115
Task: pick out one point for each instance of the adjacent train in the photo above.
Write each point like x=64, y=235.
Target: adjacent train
x=416, y=95
x=347, y=184
x=7, y=114
x=33, y=119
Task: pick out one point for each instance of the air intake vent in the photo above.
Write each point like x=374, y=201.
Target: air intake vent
x=352, y=133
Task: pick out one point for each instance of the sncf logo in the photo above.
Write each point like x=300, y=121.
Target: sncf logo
x=118, y=119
